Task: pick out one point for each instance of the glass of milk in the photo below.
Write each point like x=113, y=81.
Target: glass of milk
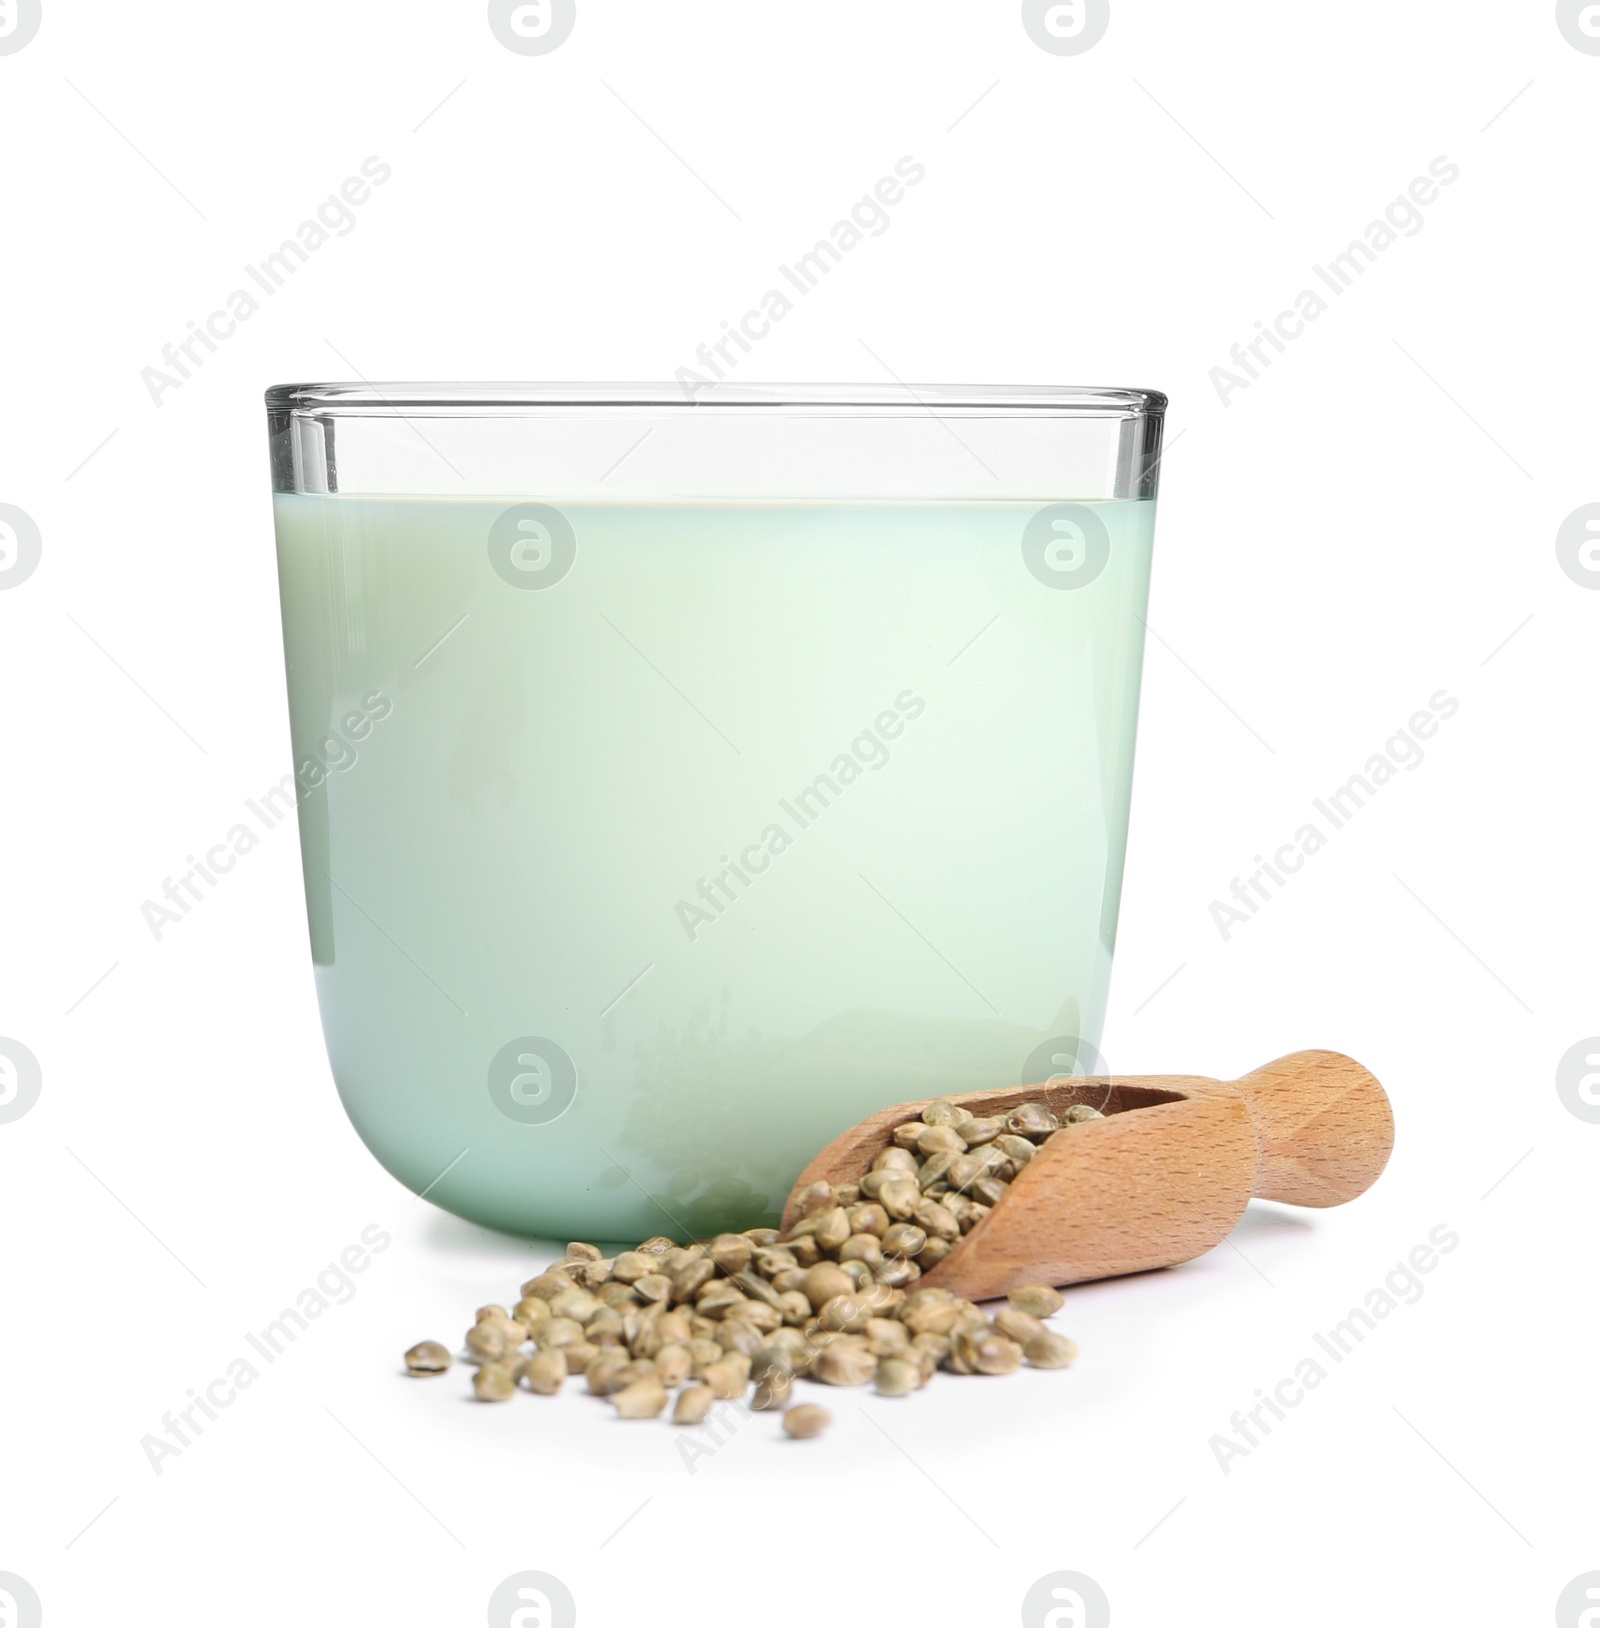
x=681, y=780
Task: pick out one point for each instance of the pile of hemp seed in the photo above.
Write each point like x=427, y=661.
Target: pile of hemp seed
x=832, y=1300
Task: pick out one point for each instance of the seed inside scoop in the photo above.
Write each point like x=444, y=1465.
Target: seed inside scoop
x=833, y=1301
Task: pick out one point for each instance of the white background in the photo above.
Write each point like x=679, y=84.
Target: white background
x=1373, y=521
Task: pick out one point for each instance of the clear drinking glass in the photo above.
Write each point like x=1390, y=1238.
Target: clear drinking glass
x=679, y=782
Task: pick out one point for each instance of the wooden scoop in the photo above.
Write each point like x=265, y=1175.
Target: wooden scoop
x=1161, y=1179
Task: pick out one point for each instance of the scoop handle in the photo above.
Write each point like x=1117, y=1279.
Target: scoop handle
x=1324, y=1128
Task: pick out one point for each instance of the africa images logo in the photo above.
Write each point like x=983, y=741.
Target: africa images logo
x=532, y=545
x=20, y=546
x=20, y=1083
x=532, y=1080
x=1066, y=28
x=19, y=22
x=1066, y=545
x=19, y=1605
x=532, y=28
x=532, y=1599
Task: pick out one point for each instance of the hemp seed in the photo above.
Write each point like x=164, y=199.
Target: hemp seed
x=1037, y=1299
x=843, y=1364
x=486, y=1342
x=836, y=1301
x=773, y=1391
x=897, y=1376
x=494, y=1382
x=1018, y=1325
x=1049, y=1350
x=805, y=1421
x=427, y=1357
x=694, y=1405
x=643, y=1399
x=545, y=1372
x=1032, y=1119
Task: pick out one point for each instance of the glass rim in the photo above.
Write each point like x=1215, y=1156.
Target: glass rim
x=368, y=399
